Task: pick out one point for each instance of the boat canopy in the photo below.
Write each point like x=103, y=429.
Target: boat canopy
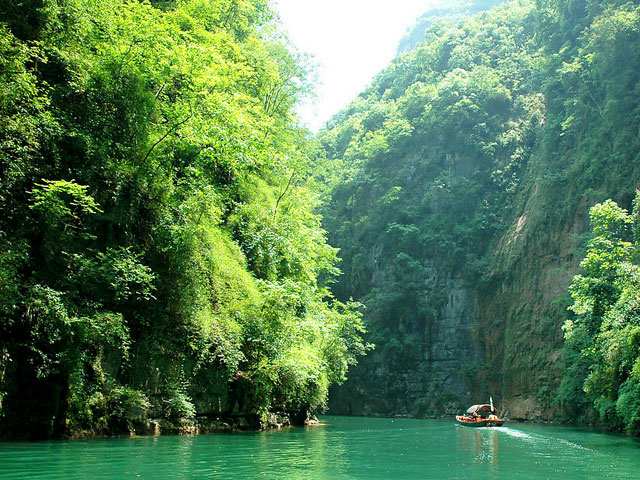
x=481, y=409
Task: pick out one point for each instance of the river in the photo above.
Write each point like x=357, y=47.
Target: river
x=339, y=448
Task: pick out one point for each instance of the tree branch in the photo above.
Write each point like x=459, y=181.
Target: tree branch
x=284, y=192
x=165, y=136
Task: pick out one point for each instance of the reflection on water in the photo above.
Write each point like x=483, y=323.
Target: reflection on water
x=344, y=448
x=478, y=445
x=293, y=453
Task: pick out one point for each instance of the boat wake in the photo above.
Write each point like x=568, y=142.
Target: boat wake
x=540, y=439
x=514, y=433
x=574, y=445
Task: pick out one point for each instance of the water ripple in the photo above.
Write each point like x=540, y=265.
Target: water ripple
x=344, y=449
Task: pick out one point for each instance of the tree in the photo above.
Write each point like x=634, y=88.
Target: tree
x=605, y=334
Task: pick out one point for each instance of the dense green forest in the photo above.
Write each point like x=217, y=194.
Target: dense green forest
x=458, y=188
x=161, y=257
x=603, y=339
x=171, y=235
x=441, y=11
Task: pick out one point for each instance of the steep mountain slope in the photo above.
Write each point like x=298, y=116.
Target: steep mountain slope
x=160, y=257
x=460, y=187
x=441, y=11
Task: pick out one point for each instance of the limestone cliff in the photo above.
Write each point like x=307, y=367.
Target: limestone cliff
x=429, y=370
x=467, y=172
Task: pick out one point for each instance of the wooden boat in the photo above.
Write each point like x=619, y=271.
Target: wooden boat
x=480, y=416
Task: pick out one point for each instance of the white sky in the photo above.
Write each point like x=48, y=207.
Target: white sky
x=351, y=40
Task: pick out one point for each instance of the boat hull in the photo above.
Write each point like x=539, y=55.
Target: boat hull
x=470, y=422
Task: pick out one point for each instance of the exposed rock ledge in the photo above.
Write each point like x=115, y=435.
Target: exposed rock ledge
x=203, y=424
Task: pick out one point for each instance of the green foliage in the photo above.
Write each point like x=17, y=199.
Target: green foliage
x=604, y=337
x=60, y=201
x=126, y=275
x=422, y=173
x=441, y=11
x=157, y=224
x=296, y=346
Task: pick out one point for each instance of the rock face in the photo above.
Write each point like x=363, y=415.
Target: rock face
x=533, y=266
x=502, y=342
x=453, y=352
x=427, y=374
x=502, y=339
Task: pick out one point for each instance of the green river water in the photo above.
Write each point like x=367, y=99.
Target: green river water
x=340, y=448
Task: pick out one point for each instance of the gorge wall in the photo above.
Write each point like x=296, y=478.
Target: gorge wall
x=424, y=368
x=467, y=170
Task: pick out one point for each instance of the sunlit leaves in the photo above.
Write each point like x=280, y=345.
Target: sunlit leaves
x=62, y=201
x=153, y=174
x=607, y=302
x=126, y=275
